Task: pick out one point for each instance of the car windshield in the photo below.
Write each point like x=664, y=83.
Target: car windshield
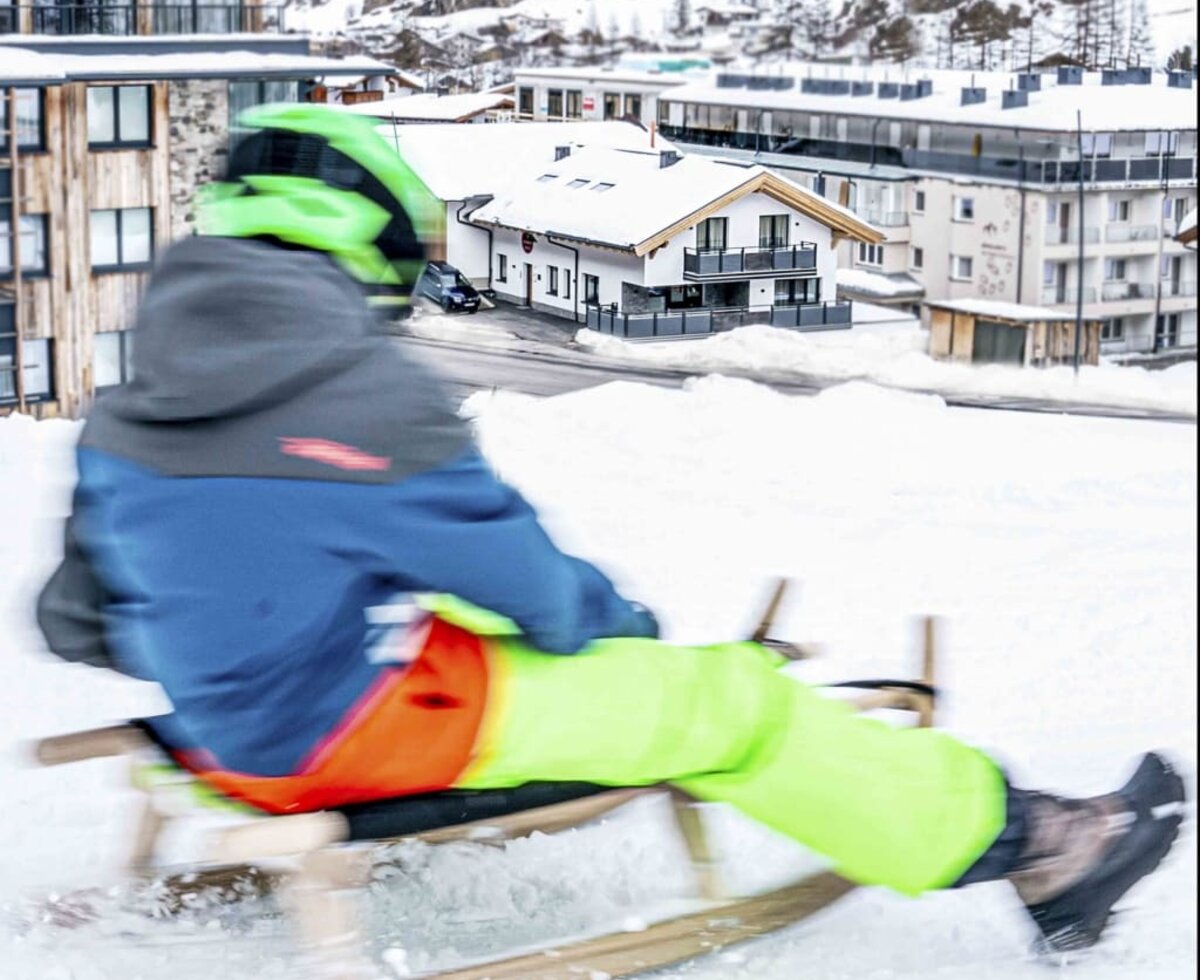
x=448, y=280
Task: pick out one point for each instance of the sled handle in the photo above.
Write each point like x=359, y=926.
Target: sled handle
x=94, y=743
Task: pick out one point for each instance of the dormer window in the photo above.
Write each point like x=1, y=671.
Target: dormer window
x=579, y=182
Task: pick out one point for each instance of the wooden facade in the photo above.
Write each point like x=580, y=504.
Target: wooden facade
x=1038, y=339
x=65, y=181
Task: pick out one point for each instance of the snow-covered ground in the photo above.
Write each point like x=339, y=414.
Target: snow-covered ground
x=893, y=354
x=1061, y=552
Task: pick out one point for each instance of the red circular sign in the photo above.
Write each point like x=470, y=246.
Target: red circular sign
x=528, y=241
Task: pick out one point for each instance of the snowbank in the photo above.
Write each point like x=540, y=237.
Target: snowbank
x=896, y=357
x=1059, y=550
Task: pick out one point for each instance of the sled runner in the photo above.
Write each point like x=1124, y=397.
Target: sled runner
x=309, y=860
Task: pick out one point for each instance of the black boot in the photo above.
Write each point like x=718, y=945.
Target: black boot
x=1080, y=856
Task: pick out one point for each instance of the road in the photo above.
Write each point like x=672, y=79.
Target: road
x=538, y=369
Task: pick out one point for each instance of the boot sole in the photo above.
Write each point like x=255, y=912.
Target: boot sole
x=1076, y=919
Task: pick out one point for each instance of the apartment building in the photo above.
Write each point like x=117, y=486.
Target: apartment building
x=599, y=93
x=99, y=163
x=976, y=180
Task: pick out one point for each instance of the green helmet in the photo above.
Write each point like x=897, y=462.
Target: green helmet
x=309, y=176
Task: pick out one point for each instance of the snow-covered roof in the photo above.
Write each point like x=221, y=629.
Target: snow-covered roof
x=432, y=107
x=628, y=200
x=19, y=64
x=878, y=284
x=1001, y=310
x=1104, y=108
x=457, y=162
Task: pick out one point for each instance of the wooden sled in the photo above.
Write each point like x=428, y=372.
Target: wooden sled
x=321, y=873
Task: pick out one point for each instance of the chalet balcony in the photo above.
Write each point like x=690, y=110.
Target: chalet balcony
x=141, y=19
x=1115, y=292
x=835, y=315
x=1122, y=232
x=1058, y=295
x=709, y=264
x=1058, y=235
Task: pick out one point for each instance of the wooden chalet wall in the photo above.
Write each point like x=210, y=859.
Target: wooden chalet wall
x=66, y=182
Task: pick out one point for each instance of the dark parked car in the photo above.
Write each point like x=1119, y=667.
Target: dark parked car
x=447, y=287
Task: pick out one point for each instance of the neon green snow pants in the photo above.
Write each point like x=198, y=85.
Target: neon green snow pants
x=908, y=808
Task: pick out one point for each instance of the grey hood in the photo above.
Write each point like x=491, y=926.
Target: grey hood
x=229, y=326
x=241, y=347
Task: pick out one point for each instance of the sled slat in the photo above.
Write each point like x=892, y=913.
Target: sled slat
x=664, y=943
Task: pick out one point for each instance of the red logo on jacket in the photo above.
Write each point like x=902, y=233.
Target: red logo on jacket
x=332, y=453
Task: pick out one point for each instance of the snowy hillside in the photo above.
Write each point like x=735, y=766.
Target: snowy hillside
x=489, y=37
x=1059, y=550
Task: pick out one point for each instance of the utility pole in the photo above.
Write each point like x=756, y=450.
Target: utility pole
x=1079, y=275
x=1162, y=216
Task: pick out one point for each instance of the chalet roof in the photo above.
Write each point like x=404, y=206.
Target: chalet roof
x=432, y=107
x=626, y=199
x=458, y=162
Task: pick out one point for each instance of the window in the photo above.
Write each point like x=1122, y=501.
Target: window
x=552, y=280
x=1118, y=210
x=1113, y=329
x=554, y=102
x=36, y=364
x=578, y=182
x=1114, y=270
x=918, y=258
x=1051, y=212
x=574, y=104
x=566, y=275
x=30, y=131
x=633, y=106
x=773, y=231
x=870, y=254
x=118, y=115
x=591, y=288
x=1162, y=144
x=711, y=234
x=964, y=209
x=112, y=359
x=122, y=239
x=245, y=95
x=1097, y=144
x=794, y=292
x=962, y=267
x=1175, y=209
x=525, y=101
x=546, y=178
x=502, y=267
x=612, y=105
x=919, y=202
x=33, y=245
x=603, y=186
x=1166, y=334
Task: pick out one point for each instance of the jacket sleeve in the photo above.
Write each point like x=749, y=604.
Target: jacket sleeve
x=458, y=529
x=70, y=609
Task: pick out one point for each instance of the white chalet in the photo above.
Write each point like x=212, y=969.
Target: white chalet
x=591, y=222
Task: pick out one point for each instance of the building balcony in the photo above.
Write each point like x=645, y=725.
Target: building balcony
x=1177, y=287
x=1015, y=168
x=1057, y=235
x=884, y=219
x=1115, y=292
x=708, y=264
x=1122, y=232
x=1061, y=295
x=141, y=19
x=679, y=323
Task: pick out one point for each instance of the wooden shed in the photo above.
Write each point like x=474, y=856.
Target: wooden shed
x=990, y=332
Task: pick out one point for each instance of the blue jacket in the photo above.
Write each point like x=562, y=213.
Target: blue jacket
x=275, y=469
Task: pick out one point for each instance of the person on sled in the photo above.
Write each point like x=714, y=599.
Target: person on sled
x=278, y=470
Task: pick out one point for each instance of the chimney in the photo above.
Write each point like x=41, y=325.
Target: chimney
x=561, y=152
x=667, y=158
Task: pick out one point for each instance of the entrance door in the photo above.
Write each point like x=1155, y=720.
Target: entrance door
x=1064, y=223
x=998, y=343
x=528, y=284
